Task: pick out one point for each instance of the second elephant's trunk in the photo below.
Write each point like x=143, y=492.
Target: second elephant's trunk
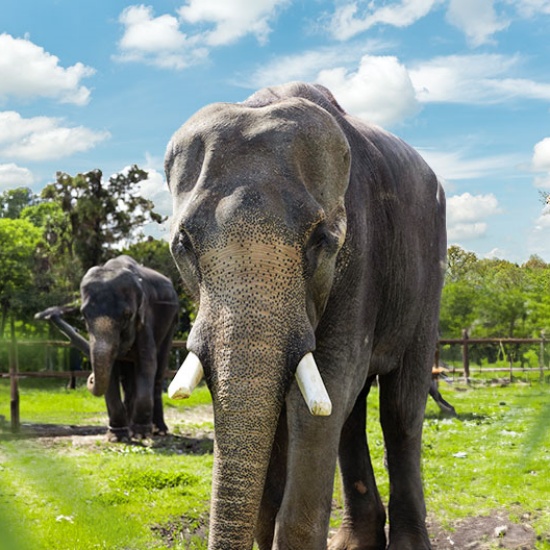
x=104, y=344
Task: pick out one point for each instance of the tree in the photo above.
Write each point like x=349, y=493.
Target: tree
x=13, y=201
x=19, y=240
x=101, y=215
x=155, y=254
x=58, y=275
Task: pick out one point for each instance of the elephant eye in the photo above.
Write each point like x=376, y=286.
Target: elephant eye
x=181, y=244
x=321, y=242
x=184, y=254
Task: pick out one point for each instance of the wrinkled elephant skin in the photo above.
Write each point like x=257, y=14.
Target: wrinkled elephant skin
x=130, y=313
x=299, y=229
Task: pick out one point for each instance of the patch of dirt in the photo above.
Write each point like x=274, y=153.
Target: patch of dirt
x=183, y=531
x=191, y=433
x=484, y=533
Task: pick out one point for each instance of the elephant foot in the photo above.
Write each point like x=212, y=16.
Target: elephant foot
x=141, y=431
x=349, y=538
x=118, y=435
x=417, y=541
x=160, y=429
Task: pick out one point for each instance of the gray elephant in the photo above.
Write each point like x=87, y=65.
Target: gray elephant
x=131, y=313
x=314, y=244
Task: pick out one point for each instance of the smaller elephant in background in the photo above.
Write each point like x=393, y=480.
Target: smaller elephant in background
x=131, y=313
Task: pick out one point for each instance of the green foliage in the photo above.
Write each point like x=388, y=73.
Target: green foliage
x=155, y=253
x=101, y=214
x=495, y=298
x=19, y=240
x=13, y=201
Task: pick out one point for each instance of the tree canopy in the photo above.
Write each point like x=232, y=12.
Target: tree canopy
x=493, y=297
x=101, y=214
x=19, y=241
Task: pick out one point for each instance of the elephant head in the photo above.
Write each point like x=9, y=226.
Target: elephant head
x=112, y=306
x=259, y=219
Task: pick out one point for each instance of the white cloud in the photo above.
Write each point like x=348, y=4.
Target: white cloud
x=346, y=21
x=466, y=215
x=541, y=156
x=12, y=176
x=541, y=163
x=380, y=91
x=155, y=40
x=27, y=71
x=459, y=165
x=232, y=19
x=305, y=66
x=476, y=18
x=43, y=138
x=538, y=241
x=150, y=34
x=161, y=41
x=475, y=79
x=155, y=189
x=530, y=8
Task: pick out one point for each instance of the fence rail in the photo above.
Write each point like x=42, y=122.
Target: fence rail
x=465, y=342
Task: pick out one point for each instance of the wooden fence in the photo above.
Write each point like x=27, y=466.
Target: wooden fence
x=465, y=342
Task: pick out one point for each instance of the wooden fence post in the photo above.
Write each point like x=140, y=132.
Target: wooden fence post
x=465, y=356
x=14, y=383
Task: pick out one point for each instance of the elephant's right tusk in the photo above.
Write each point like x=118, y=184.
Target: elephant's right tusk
x=187, y=378
x=312, y=387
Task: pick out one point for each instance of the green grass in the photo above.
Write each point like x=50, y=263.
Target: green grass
x=67, y=495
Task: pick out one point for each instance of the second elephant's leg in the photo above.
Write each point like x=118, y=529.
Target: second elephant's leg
x=364, y=516
x=118, y=418
x=144, y=385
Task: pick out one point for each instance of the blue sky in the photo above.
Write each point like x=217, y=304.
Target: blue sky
x=104, y=83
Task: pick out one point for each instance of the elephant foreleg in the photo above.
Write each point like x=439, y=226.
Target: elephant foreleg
x=303, y=518
x=274, y=487
x=118, y=419
x=403, y=395
x=364, y=516
x=144, y=384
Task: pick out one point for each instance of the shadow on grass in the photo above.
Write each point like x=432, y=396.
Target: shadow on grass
x=462, y=417
x=166, y=445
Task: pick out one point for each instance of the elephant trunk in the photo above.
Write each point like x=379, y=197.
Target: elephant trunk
x=104, y=343
x=251, y=331
x=246, y=410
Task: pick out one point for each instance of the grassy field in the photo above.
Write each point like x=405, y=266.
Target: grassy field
x=72, y=490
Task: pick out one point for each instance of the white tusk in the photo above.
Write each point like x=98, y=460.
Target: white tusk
x=187, y=378
x=312, y=387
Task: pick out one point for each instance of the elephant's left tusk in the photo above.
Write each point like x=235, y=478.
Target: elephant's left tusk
x=312, y=387
x=187, y=378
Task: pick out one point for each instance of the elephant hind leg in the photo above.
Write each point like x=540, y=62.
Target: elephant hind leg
x=403, y=395
x=364, y=516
